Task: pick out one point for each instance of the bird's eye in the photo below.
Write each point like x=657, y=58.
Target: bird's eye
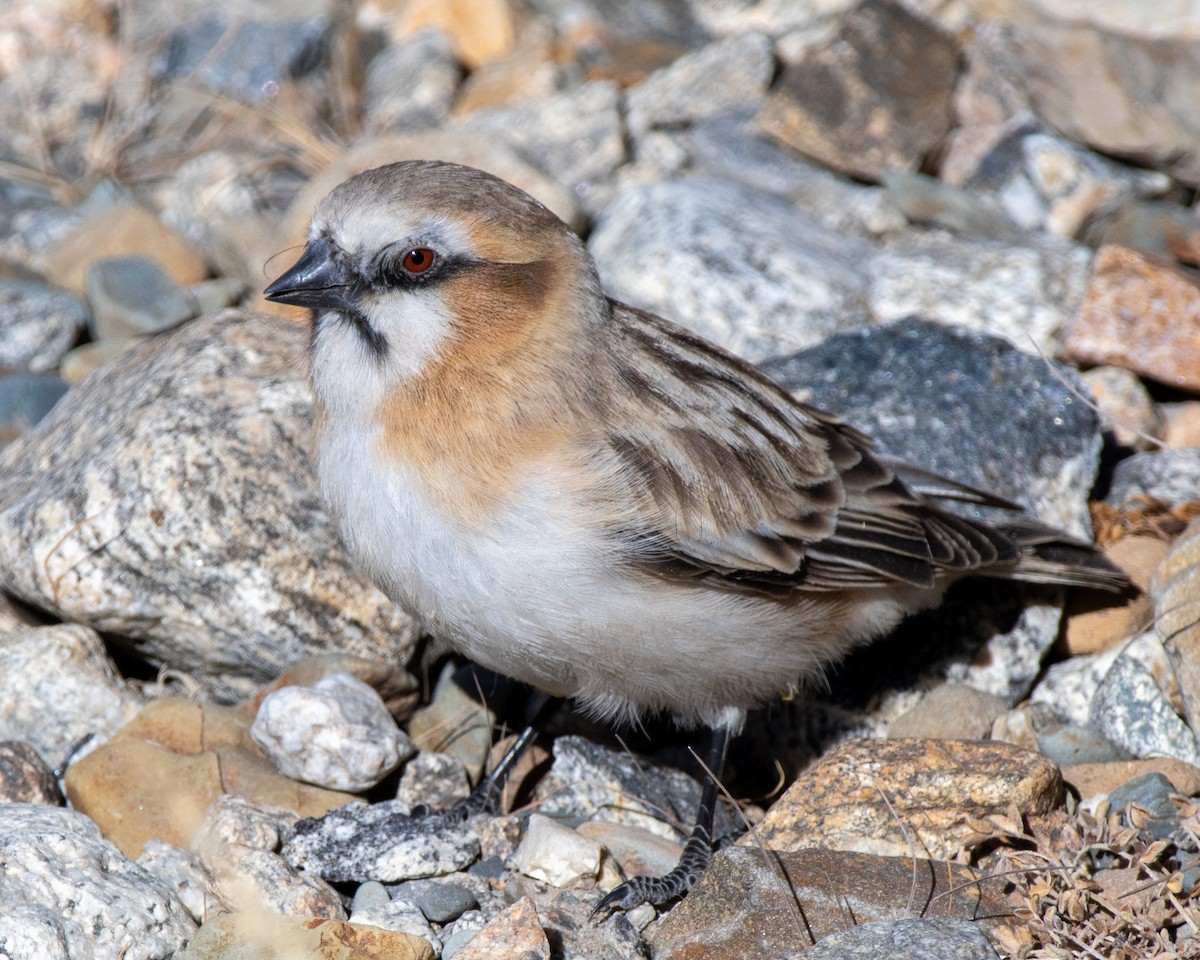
x=418, y=260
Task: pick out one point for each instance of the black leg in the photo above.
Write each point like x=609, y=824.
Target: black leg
x=696, y=852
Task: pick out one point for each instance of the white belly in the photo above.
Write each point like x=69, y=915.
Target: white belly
x=540, y=596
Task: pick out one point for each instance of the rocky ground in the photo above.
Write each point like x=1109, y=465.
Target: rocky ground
x=967, y=226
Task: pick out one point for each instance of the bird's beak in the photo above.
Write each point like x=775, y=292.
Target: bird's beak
x=318, y=280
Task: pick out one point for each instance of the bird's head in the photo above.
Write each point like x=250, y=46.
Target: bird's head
x=416, y=265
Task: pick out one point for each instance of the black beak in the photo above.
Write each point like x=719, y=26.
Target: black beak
x=318, y=280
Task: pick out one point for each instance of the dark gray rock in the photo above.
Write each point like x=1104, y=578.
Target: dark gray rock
x=38, y=325
x=24, y=399
x=133, y=295
x=246, y=59
x=931, y=938
x=735, y=265
x=380, y=842
x=966, y=405
x=170, y=501
x=1170, y=475
x=1152, y=792
x=440, y=902
x=1067, y=744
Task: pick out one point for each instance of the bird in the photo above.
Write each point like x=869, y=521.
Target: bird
x=588, y=498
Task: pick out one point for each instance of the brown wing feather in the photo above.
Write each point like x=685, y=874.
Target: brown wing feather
x=736, y=480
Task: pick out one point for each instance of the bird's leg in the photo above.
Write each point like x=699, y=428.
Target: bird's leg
x=696, y=852
x=488, y=790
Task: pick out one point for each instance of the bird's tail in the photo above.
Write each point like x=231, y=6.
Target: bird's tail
x=1051, y=556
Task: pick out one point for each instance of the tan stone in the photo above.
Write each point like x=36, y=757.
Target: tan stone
x=516, y=933
x=1092, y=629
x=160, y=773
x=524, y=72
x=1139, y=315
x=908, y=797
x=264, y=935
x=1181, y=423
x=118, y=232
x=951, y=711
x=478, y=30
x=1090, y=779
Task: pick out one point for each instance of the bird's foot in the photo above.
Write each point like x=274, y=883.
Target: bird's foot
x=657, y=891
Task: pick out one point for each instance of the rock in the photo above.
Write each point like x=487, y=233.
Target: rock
x=1131, y=711
x=528, y=72
x=58, y=686
x=1092, y=779
x=410, y=83
x=638, y=851
x=592, y=782
x=742, y=907
x=458, y=934
x=131, y=296
x=1020, y=725
x=724, y=74
x=1067, y=687
x=730, y=146
x=730, y=263
x=380, y=842
x=336, y=734
x=248, y=59
x=1045, y=182
x=211, y=296
x=263, y=935
x=1139, y=315
x=1180, y=423
x=925, y=938
x=891, y=797
x=985, y=408
x=1174, y=587
x=86, y=357
x=1160, y=229
x=1092, y=630
x=1152, y=792
x=123, y=231
x=556, y=854
x=1169, y=475
x=398, y=688
x=576, y=137
x=439, y=902
x=184, y=875
x=38, y=325
x=156, y=778
x=197, y=529
x=63, y=882
x=25, y=776
x=1024, y=292
x=515, y=934
x=1126, y=409
x=1122, y=95
x=926, y=200
x=25, y=398
x=876, y=95
x=478, y=30
x=400, y=916
x=952, y=711
x=437, y=780
x=455, y=722
x=1067, y=744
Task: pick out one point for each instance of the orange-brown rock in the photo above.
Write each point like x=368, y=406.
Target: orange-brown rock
x=1092, y=629
x=1090, y=779
x=1140, y=315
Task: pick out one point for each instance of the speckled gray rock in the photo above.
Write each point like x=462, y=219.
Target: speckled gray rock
x=410, y=83
x=38, y=325
x=181, y=872
x=1023, y=292
x=24, y=399
x=1046, y=182
x=1070, y=685
x=380, y=842
x=589, y=781
x=963, y=404
x=1131, y=711
x=729, y=146
x=133, y=295
x=437, y=780
x=195, y=529
x=64, y=884
x=1170, y=475
x=576, y=137
x=733, y=264
x=725, y=73
x=57, y=685
x=926, y=938
x=336, y=733
x=248, y=59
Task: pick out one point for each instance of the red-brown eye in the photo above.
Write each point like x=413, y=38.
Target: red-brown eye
x=418, y=260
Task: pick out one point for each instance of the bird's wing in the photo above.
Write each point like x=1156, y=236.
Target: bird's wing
x=734, y=479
